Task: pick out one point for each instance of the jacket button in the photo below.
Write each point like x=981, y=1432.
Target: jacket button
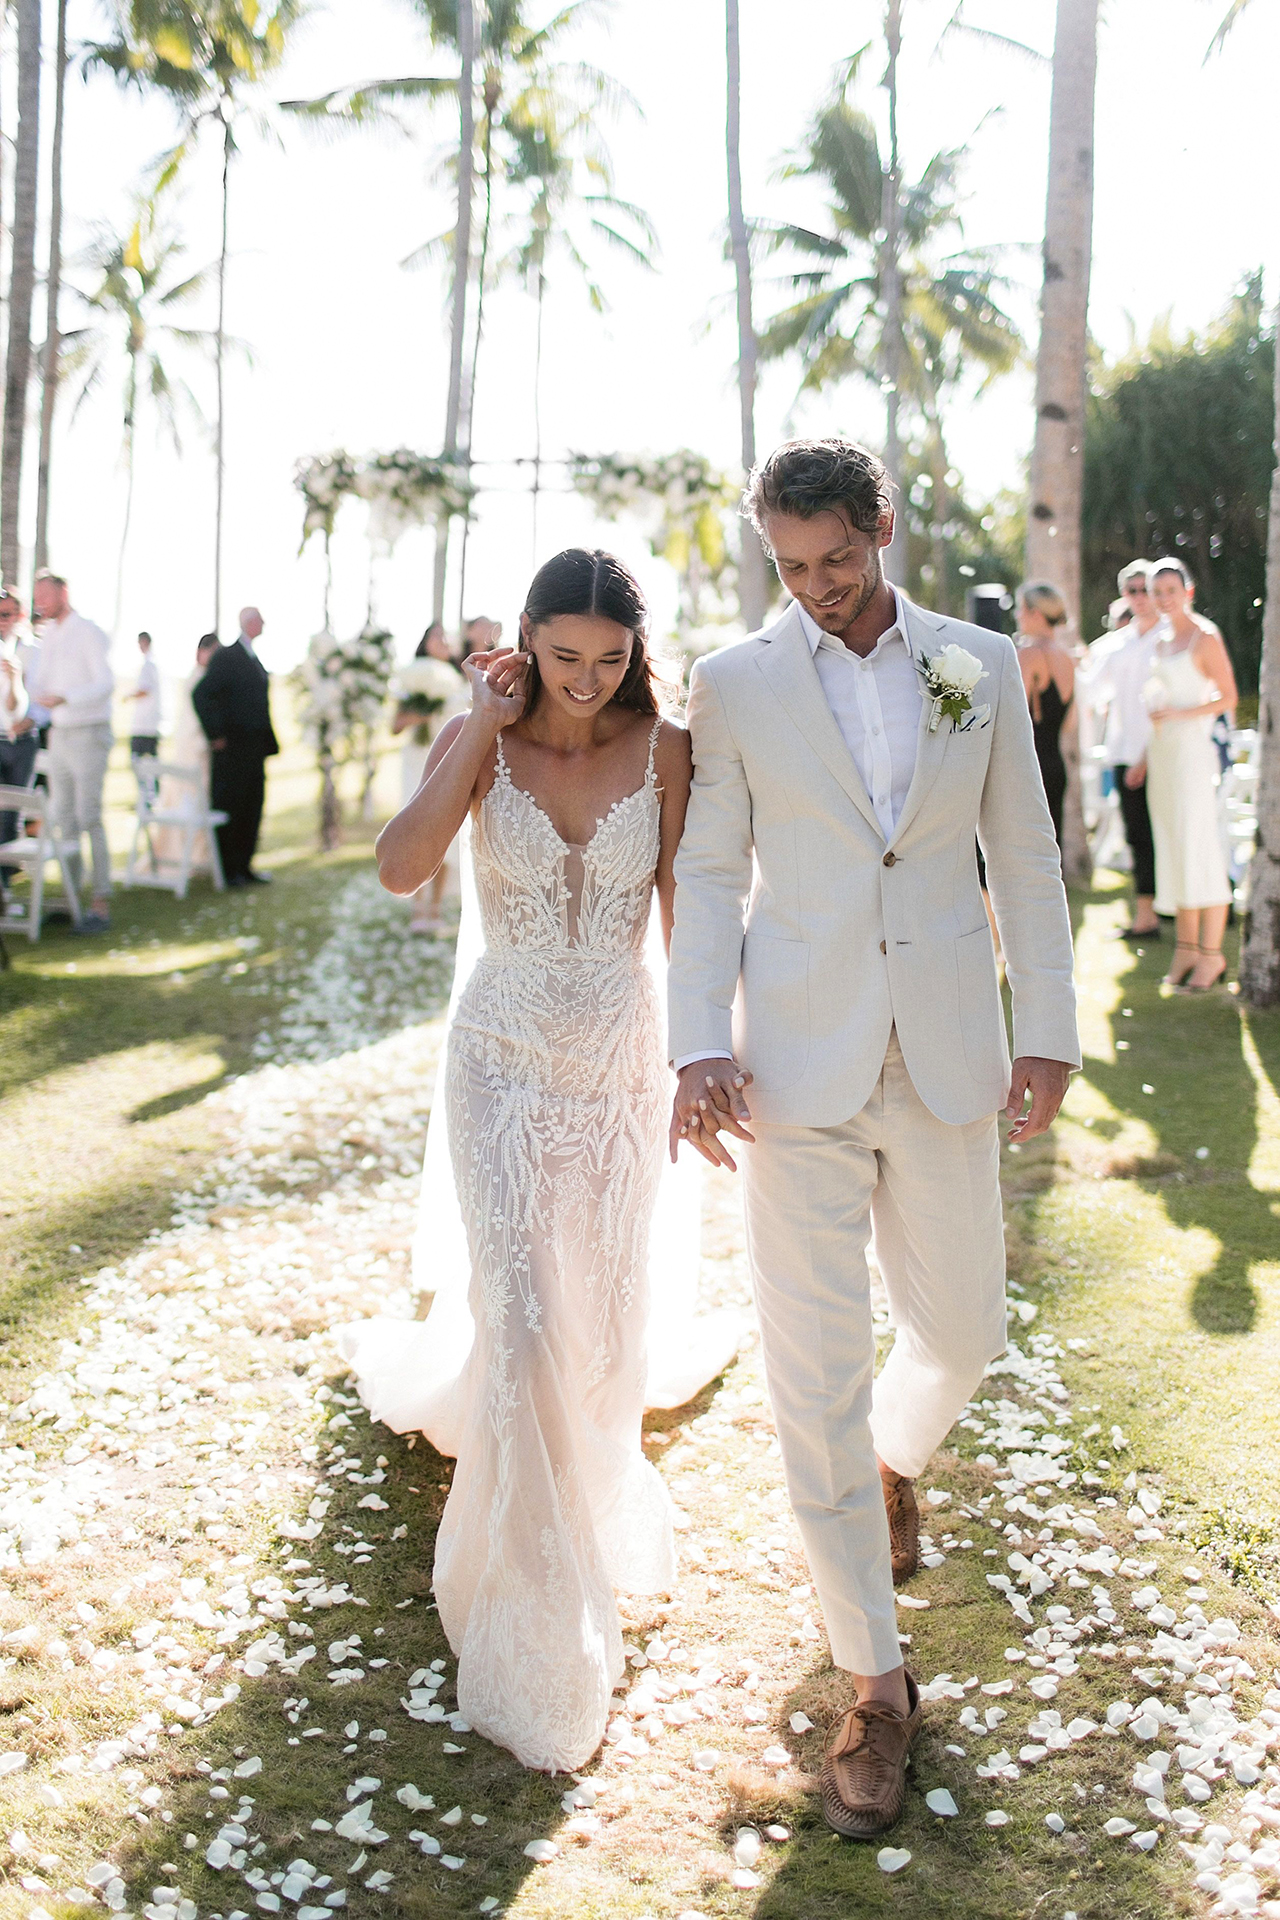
x=891, y=860
x=883, y=947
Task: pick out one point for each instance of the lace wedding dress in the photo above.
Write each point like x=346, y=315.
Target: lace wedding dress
x=557, y=1098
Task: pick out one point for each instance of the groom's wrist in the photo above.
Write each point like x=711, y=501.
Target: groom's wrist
x=692, y=1059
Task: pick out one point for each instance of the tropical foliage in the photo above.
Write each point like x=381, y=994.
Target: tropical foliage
x=402, y=489
x=685, y=505
x=1178, y=459
x=953, y=325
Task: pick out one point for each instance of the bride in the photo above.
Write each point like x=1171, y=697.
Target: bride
x=555, y=1084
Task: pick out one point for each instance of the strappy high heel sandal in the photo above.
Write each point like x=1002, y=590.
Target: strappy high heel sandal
x=1180, y=968
x=1207, y=986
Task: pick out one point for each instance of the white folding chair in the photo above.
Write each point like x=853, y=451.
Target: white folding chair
x=190, y=818
x=34, y=852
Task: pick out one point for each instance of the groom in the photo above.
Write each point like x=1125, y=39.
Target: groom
x=832, y=953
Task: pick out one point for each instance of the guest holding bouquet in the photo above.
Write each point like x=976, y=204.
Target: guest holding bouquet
x=429, y=691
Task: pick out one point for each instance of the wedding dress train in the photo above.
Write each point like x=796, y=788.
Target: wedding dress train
x=556, y=1098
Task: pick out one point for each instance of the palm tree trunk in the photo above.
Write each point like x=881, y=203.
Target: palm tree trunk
x=1260, y=947
x=752, y=577
x=895, y=559
x=1057, y=459
x=461, y=276
x=21, y=284
x=220, y=445
x=537, y=412
x=469, y=394
x=52, y=337
x=130, y=414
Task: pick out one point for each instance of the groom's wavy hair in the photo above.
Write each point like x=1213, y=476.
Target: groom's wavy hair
x=588, y=581
x=808, y=477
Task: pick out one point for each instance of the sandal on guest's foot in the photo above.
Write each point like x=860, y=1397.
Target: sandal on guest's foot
x=1210, y=971
x=864, y=1776
x=1183, y=964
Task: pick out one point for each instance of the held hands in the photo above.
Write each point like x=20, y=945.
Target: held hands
x=498, y=686
x=709, y=1102
x=1136, y=774
x=1046, y=1081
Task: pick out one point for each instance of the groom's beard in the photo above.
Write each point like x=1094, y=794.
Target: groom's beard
x=843, y=612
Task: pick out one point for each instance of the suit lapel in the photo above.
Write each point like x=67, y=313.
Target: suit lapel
x=788, y=667
x=921, y=638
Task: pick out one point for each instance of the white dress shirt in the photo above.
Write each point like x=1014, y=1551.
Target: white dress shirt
x=875, y=700
x=1113, y=679
x=13, y=692
x=74, y=662
x=146, y=710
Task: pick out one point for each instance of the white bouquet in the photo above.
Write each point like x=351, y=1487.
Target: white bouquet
x=424, y=684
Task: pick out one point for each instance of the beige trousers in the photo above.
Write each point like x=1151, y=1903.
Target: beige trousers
x=812, y=1196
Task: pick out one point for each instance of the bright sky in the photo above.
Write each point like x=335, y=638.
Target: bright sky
x=350, y=349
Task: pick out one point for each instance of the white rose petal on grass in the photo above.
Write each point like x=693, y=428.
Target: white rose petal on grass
x=453, y=1861
x=747, y=1847
x=940, y=1801
x=453, y=1818
x=1145, y=1841
x=937, y=1496
x=1055, y=1823
x=1117, y=1827
x=800, y=1723
x=541, y=1851
x=12, y=1762
x=744, y=1879
x=997, y=1817
x=776, y=1757
x=706, y=1760
x=893, y=1859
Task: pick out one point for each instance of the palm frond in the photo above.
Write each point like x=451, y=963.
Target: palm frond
x=1228, y=21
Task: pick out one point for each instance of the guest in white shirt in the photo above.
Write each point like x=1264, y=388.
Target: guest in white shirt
x=144, y=735
x=18, y=739
x=1112, y=681
x=75, y=684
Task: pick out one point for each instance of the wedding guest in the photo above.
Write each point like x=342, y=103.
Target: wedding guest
x=422, y=710
x=145, y=737
x=480, y=635
x=1049, y=679
x=232, y=700
x=1112, y=686
x=1191, y=683
x=17, y=741
x=187, y=747
x=15, y=626
x=74, y=684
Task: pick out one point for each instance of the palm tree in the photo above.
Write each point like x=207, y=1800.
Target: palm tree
x=132, y=304
x=1260, y=944
x=523, y=87
x=21, y=283
x=555, y=155
x=1057, y=459
x=933, y=315
x=52, y=354
x=203, y=55
x=752, y=579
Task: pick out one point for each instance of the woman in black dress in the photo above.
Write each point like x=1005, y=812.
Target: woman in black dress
x=1049, y=676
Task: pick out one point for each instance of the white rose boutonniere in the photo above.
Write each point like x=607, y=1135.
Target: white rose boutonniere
x=949, y=679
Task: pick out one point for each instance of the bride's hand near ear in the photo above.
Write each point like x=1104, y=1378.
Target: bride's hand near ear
x=498, y=684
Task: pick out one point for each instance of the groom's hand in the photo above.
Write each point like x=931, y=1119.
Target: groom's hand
x=709, y=1101
x=1046, y=1081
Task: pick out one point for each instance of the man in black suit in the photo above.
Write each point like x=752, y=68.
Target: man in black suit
x=233, y=706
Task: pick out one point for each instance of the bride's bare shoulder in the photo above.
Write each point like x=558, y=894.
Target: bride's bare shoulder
x=672, y=754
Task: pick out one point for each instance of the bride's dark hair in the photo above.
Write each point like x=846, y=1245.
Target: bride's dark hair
x=586, y=581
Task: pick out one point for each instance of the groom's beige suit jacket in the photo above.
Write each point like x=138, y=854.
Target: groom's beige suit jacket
x=803, y=936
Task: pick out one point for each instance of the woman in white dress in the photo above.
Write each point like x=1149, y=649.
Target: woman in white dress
x=1191, y=684
x=556, y=1084
x=187, y=746
x=421, y=714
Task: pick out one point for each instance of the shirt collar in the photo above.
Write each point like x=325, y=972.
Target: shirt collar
x=815, y=635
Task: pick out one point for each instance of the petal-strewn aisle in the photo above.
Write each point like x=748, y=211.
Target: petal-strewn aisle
x=223, y=1688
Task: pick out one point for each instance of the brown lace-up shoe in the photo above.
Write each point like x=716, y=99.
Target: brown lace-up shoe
x=864, y=1776
x=903, y=1516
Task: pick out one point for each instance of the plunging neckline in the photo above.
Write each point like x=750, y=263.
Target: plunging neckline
x=575, y=846
x=581, y=846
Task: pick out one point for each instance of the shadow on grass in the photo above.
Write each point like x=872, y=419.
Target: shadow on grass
x=181, y=1097
x=1184, y=1075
